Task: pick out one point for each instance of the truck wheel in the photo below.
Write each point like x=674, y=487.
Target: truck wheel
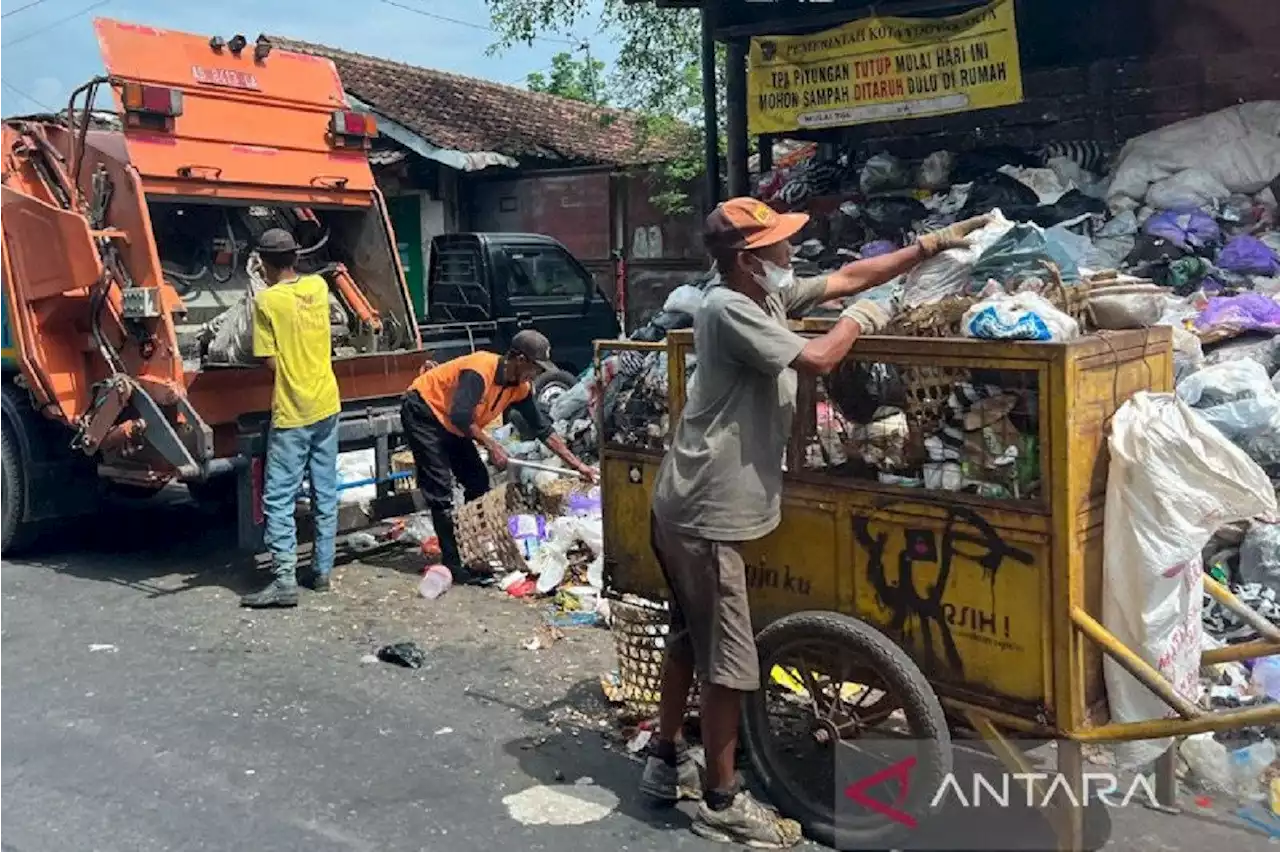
x=846, y=703
x=548, y=387
x=15, y=532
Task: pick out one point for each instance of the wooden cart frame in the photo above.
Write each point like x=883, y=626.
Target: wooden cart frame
x=1081, y=384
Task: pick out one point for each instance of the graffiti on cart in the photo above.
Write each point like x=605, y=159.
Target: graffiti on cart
x=917, y=604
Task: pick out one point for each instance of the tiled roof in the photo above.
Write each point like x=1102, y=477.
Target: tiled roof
x=467, y=114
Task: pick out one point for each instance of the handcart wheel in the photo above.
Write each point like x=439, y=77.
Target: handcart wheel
x=834, y=685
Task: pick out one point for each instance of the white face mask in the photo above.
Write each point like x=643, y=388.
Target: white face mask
x=774, y=278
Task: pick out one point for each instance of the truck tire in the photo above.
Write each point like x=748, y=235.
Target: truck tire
x=546, y=388
x=16, y=533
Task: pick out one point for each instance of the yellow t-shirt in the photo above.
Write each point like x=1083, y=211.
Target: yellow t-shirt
x=291, y=324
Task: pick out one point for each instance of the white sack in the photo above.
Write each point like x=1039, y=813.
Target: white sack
x=1187, y=188
x=1240, y=146
x=947, y=273
x=1173, y=481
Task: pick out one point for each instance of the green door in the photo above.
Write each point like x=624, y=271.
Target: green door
x=406, y=219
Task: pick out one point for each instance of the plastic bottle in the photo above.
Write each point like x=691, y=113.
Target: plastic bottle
x=1266, y=677
x=436, y=580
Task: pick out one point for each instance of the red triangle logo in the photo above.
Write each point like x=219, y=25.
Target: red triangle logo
x=901, y=772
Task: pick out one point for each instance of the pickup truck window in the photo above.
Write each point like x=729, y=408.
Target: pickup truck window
x=458, y=292
x=545, y=272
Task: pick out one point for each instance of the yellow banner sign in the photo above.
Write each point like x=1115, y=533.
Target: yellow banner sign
x=881, y=69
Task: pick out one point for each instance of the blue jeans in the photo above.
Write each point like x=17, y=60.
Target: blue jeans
x=290, y=453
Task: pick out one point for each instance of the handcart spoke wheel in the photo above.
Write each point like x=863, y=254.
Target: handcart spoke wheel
x=841, y=702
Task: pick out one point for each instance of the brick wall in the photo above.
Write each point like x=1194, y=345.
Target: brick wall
x=1110, y=71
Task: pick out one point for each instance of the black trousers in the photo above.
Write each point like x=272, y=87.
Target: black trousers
x=439, y=456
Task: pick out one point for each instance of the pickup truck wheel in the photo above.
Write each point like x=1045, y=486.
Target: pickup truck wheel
x=548, y=387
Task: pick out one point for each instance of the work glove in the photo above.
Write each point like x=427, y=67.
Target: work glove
x=870, y=316
x=952, y=236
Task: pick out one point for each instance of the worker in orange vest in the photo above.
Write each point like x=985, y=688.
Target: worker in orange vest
x=444, y=415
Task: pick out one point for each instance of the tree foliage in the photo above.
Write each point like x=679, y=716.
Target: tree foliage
x=657, y=75
x=577, y=79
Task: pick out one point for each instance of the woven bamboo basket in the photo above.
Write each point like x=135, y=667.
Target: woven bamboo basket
x=484, y=537
x=640, y=638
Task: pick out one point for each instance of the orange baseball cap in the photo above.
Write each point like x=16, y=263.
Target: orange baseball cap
x=745, y=223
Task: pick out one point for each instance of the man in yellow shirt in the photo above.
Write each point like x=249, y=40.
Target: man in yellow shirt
x=291, y=333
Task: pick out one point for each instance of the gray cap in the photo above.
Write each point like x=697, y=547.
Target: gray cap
x=534, y=346
x=277, y=241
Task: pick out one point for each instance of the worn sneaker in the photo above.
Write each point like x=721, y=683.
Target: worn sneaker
x=671, y=784
x=747, y=822
x=320, y=583
x=275, y=595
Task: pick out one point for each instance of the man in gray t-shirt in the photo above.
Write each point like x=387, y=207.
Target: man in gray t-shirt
x=721, y=484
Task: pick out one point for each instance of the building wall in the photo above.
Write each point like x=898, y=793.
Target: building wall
x=1110, y=71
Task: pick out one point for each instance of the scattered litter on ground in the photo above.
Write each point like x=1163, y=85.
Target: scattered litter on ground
x=100, y=646
x=407, y=654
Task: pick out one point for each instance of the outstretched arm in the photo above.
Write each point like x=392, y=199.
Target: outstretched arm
x=854, y=278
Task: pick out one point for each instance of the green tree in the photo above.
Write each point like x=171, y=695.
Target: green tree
x=657, y=75
x=578, y=79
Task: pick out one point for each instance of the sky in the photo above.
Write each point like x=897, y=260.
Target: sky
x=48, y=49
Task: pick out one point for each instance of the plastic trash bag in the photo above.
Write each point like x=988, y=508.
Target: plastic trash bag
x=1238, y=399
x=883, y=173
x=1239, y=145
x=935, y=171
x=1187, y=188
x=1045, y=183
x=1173, y=481
x=1208, y=761
x=949, y=272
x=1022, y=251
x=1264, y=350
x=1248, y=255
x=685, y=299
x=573, y=403
x=878, y=247
x=994, y=191
x=1237, y=314
x=1260, y=556
x=1018, y=316
x=1186, y=229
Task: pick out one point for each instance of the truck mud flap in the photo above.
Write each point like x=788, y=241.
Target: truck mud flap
x=376, y=427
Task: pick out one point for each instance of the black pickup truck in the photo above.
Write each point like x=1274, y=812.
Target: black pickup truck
x=483, y=288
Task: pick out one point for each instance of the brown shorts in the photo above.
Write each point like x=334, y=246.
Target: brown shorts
x=710, y=616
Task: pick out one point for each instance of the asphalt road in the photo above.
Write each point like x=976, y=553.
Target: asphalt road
x=142, y=710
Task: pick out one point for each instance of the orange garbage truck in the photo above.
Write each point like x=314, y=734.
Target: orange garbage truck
x=129, y=266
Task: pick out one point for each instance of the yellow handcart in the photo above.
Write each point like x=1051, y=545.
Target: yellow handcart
x=949, y=599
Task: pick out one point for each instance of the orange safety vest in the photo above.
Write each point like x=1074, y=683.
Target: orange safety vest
x=436, y=387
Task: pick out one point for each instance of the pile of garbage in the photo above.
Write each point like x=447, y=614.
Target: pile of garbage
x=629, y=395
x=1188, y=210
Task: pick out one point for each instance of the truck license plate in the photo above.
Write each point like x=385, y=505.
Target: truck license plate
x=224, y=77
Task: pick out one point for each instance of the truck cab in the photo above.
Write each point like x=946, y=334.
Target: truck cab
x=483, y=288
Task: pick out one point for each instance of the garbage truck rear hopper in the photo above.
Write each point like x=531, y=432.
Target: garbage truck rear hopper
x=128, y=252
